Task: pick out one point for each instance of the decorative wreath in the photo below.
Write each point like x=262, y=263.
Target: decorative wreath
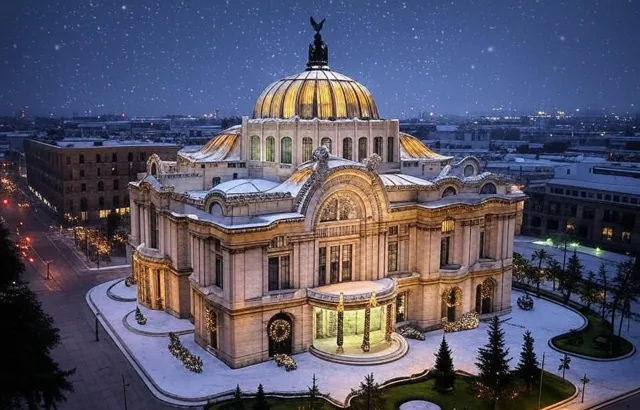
x=450, y=301
x=210, y=318
x=279, y=330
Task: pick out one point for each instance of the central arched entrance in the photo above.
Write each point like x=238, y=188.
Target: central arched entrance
x=280, y=334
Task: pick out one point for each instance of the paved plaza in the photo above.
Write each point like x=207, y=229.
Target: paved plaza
x=170, y=381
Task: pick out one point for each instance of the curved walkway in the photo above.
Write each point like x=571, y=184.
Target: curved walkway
x=419, y=405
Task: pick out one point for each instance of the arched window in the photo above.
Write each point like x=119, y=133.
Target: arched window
x=255, y=148
x=100, y=186
x=98, y=158
x=469, y=170
x=347, y=148
x=377, y=145
x=83, y=204
x=285, y=150
x=270, y=150
x=390, y=149
x=114, y=157
x=326, y=141
x=101, y=202
x=215, y=181
x=307, y=149
x=488, y=188
x=362, y=148
x=154, y=169
x=130, y=157
x=449, y=191
x=81, y=159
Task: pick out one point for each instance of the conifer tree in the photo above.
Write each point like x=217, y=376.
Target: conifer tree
x=261, y=401
x=444, y=373
x=30, y=378
x=493, y=364
x=528, y=366
x=314, y=392
x=571, y=277
x=369, y=396
x=237, y=399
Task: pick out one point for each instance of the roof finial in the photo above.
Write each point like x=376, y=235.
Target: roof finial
x=318, y=50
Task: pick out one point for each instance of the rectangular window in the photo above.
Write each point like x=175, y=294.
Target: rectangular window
x=116, y=184
x=98, y=171
x=377, y=146
x=334, y=265
x=346, y=262
x=607, y=233
x=393, y=257
x=626, y=237
x=82, y=173
x=393, y=230
x=362, y=148
x=97, y=158
x=322, y=266
x=445, y=248
x=481, y=245
x=588, y=213
x=390, y=149
x=274, y=279
x=285, y=272
x=83, y=187
x=68, y=160
x=219, y=272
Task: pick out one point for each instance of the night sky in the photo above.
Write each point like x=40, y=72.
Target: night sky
x=149, y=58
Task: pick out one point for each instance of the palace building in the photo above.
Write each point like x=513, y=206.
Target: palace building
x=318, y=226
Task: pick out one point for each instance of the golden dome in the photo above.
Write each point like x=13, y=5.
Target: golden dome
x=316, y=93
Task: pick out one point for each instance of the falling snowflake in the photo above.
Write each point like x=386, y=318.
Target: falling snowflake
x=57, y=47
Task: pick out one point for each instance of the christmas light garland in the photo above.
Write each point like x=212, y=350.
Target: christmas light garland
x=190, y=361
x=452, y=299
x=469, y=320
x=130, y=281
x=486, y=289
x=286, y=361
x=279, y=330
x=210, y=320
x=140, y=317
x=525, y=302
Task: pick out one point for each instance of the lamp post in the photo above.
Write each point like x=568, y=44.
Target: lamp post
x=584, y=381
x=541, y=376
x=48, y=263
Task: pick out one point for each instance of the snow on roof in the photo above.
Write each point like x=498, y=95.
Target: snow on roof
x=622, y=187
x=403, y=180
x=245, y=186
x=465, y=199
x=237, y=222
x=196, y=194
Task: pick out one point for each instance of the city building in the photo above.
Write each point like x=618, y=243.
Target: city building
x=595, y=203
x=84, y=179
x=318, y=226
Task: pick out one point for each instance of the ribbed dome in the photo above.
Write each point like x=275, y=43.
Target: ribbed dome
x=320, y=93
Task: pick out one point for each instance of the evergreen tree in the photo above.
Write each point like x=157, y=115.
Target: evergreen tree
x=554, y=270
x=260, y=401
x=30, y=377
x=493, y=365
x=603, y=281
x=571, y=277
x=444, y=373
x=537, y=275
x=589, y=292
x=528, y=366
x=237, y=399
x=314, y=393
x=368, y=397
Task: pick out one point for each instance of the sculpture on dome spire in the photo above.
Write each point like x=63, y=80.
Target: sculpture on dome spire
x=318, y=50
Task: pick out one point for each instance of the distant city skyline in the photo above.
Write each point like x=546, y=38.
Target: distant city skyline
x=453, y=58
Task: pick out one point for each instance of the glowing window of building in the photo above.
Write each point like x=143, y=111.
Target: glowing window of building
x=255, y=148
x=307, y=149
x=401, y=307
x=285, y=150
x=103, y=213
x=448, y=225
x=326, y=141
x=626, y=237
x=607, y=233
x=270, y=150
x=347, y=148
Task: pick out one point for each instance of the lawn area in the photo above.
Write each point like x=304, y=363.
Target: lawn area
x=554, y=389
x=584, y=342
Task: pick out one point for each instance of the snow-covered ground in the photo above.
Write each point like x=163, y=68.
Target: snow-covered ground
x=176, y=384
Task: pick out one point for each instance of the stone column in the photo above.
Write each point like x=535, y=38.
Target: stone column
x=389, y=327
x=367, y=329
x=340, y=332
x=466, y=242
x=135, y=215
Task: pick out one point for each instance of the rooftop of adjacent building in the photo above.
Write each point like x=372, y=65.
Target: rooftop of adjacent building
x=100, y=142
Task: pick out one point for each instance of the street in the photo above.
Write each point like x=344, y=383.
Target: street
x=100, y=366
